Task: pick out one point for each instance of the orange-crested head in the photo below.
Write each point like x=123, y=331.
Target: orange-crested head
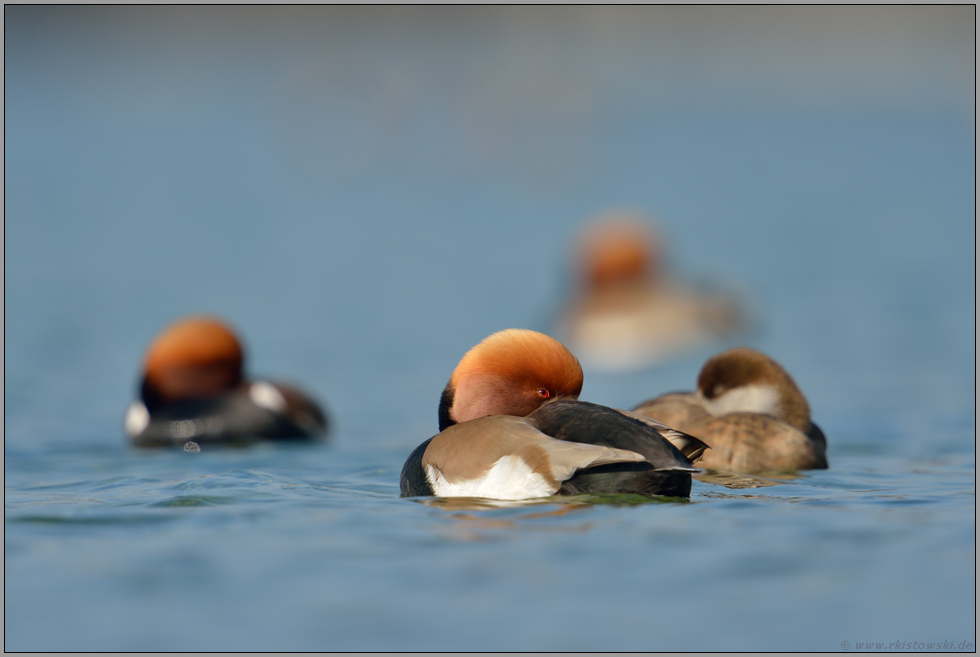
x=193, y=358
x=511, y=372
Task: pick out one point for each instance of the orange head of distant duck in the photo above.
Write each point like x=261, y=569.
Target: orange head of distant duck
x=618, y=250
x=511, y=372
x=193, y=358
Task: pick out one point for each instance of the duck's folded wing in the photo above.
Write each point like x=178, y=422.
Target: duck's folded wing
x=691, y=447
x=582, y=422
x=505, y=457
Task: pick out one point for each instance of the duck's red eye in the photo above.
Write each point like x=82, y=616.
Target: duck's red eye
x=543, y=393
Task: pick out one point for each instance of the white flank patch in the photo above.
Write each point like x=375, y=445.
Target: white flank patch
x=746, y=399
x=137, y=419
x=265, y=395
x=510, y=478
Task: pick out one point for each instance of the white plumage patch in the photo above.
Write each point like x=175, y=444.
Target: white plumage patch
x=137, y=419
x=510, y=478
x=267, y=396
x=746, y=399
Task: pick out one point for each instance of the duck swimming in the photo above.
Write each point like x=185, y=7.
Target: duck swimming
x=751, y=413
x=512, y=428
x=627, y=313
x=193, y=392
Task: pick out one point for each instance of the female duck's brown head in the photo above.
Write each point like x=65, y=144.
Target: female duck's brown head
x=194, y=358
x=744, y=379
x=511, y=372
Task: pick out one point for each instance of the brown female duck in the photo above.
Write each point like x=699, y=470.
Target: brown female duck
x=750, y=412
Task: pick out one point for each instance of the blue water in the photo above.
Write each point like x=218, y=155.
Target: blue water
x=366, y=196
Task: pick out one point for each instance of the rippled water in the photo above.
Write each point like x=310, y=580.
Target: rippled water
x=151, y=177
x=312, y=548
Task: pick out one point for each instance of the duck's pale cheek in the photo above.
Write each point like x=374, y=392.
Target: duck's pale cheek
x=746, y=399
x=510, y=478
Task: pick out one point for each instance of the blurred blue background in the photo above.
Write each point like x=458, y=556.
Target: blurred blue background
x=367, y=192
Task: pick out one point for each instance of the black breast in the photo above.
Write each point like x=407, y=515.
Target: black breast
x=413, y=480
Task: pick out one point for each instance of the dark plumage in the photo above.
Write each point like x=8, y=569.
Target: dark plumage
x=666, y=471
x=232, y=418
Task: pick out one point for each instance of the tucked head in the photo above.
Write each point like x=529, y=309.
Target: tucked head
x=193, y=358
x=744, y=379
x=511, y=372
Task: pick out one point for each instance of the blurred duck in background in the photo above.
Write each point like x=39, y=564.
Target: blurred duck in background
x=194, y=392
x=627, y=313
x=750, y=412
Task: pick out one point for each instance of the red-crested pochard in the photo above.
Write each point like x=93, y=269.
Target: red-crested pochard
x=193, y=392
x=511, y=428
x=627, y=313
x=751, y=413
